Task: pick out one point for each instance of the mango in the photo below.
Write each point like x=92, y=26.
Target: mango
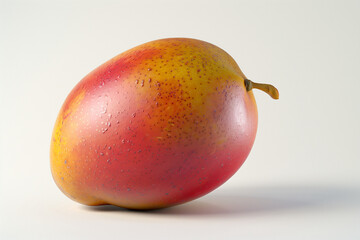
x=158, y=125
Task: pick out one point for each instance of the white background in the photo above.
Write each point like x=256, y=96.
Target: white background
x=301, y=180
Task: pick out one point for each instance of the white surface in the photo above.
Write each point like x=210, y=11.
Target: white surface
x=301, y=180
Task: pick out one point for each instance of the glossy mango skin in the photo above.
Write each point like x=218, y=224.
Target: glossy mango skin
x=158, y=125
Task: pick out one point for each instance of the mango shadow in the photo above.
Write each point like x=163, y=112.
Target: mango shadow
x=254, y=200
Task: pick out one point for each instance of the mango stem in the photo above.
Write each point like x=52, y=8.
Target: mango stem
x=269, y=89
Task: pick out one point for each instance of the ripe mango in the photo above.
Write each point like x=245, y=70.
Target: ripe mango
x=158, y=125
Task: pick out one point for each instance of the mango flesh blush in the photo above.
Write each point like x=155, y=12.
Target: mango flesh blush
x=158, y=125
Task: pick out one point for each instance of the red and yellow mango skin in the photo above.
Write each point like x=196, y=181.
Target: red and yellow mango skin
x=158, y=125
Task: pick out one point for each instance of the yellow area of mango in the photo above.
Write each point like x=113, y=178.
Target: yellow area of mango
x=61, y=140
x=182, y=78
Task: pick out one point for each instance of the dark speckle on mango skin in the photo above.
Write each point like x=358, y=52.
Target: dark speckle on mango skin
x=170, y=120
